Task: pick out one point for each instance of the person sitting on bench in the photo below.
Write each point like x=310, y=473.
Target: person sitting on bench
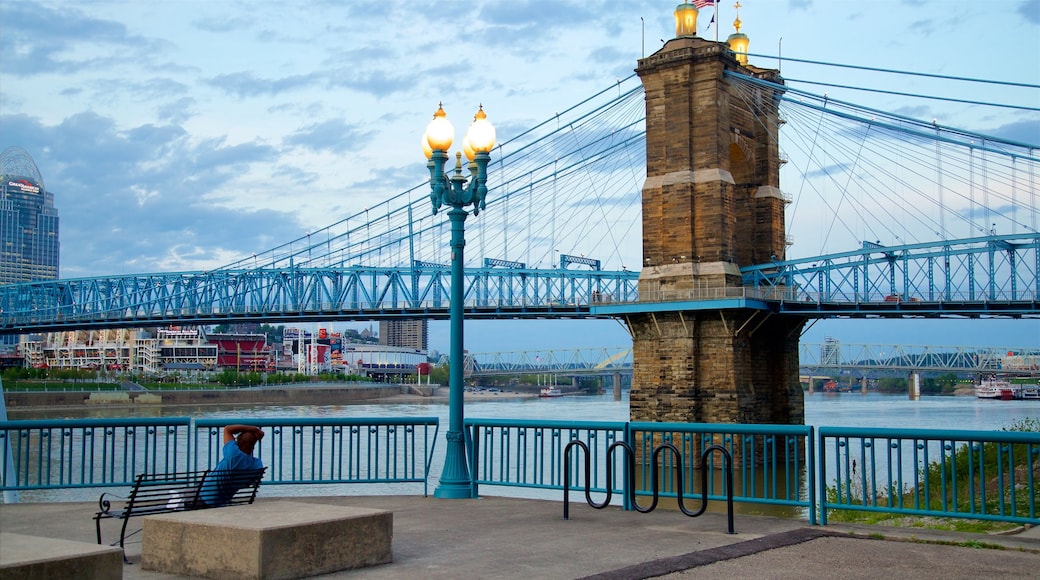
x=233, y=472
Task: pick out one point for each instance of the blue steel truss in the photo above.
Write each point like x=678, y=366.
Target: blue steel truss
x=302, y=294
x=975, y=277
x=986, y=276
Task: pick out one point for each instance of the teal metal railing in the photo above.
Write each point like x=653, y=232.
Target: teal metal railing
x=78, y=453
x=72, y=453
x=333, y=450
x=989, y=475
x=529, y=453
x=985, y=475
x=771, y=463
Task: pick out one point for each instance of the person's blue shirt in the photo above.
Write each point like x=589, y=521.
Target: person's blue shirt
x=220, y=485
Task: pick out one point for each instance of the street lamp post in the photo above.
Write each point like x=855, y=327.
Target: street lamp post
x=455, y=192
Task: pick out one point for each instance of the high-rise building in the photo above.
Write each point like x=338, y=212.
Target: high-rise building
x=405, y=333
x=28, y=221
x=28, y=226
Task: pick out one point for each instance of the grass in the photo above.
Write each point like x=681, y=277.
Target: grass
x=965, y=544
x=956, y=471
x=921, y=522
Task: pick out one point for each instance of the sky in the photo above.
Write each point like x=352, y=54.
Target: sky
x=183, y=134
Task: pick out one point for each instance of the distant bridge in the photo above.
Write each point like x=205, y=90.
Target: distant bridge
x=813, y=358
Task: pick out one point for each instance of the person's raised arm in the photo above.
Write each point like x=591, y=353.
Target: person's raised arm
x=231, y=430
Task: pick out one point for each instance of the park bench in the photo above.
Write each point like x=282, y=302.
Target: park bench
x=162, y=493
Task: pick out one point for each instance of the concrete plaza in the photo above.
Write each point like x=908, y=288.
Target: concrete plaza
x=496, y=537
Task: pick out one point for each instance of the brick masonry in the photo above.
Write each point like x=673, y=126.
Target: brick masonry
x=711, y=204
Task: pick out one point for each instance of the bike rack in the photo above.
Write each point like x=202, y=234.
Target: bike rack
x=630, y=484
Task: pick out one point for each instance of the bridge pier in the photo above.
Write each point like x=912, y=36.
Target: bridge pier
x=704, y=350
x=693, y=368
x=913, y=384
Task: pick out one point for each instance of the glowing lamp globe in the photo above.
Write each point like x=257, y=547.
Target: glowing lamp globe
x=481, y=134
x=738, y=43
x=685, y=20
x=426, y=147
x=440, y=133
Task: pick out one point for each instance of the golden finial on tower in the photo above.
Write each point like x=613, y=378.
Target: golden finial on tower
x=738, y=41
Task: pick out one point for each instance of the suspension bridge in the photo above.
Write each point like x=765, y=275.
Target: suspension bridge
x=888, y=217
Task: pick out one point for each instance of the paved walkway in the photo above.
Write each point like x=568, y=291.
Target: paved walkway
x=527, y=539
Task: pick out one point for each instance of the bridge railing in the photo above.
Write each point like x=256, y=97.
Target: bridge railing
x=797, y=294
x=985, y=475
x=72, y=453
x=768, y=293
x=333, y=450
x=105, y=453
x=529, y=453
x=1018, y=295
x=772, y=464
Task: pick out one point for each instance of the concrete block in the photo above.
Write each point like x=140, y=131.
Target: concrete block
x=108, y=397
x=267, y=540
x=31, y=557
x=148, y=399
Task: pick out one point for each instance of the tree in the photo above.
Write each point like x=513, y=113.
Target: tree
x=439, y=374
x=947, y=382
x=273, y=333
x=893, y=385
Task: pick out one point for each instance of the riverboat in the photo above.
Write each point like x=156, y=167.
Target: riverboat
x=998, y=389
x=550, y=392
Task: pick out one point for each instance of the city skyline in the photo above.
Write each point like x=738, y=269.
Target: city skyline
x=180, y=136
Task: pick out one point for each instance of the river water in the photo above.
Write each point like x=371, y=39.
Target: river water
x=821, y=409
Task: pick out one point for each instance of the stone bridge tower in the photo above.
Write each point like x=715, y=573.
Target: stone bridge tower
x=703, y=352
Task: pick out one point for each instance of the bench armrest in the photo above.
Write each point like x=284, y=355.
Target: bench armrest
x=105, y=505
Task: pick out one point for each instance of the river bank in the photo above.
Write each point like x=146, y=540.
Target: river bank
x=323, y=394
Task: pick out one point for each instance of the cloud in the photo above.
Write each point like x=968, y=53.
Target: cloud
x=247, y=84
x=176, y=111
x=1025, y=131
x=1030, y=10
x=39, y=40
x=528, y=28
x=332, y=136
x=147, y=198
x=376, y=82
x=545, y=15
x=915, y=112
x=215, y=159
x=222, y=25
x=390, y=181
x=923, y=28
